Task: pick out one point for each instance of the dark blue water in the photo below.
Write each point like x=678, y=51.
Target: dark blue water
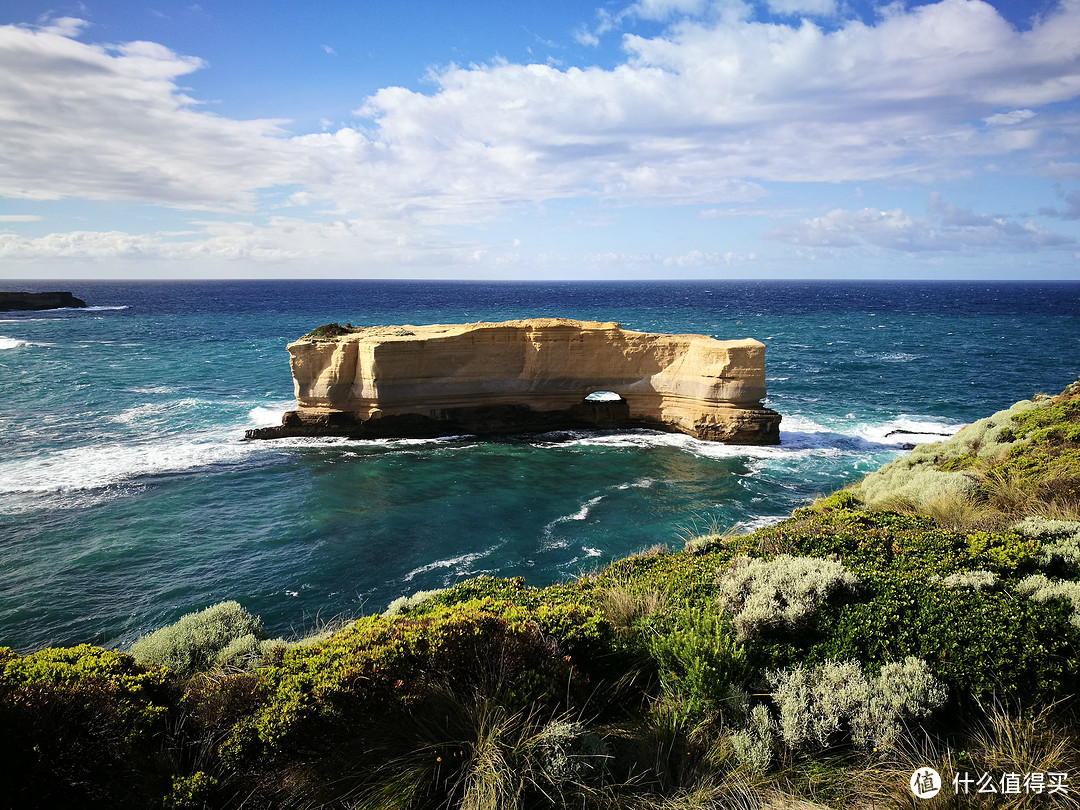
x=128, y=497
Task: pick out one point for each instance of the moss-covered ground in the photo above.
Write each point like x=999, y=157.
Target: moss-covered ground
x=928, y=616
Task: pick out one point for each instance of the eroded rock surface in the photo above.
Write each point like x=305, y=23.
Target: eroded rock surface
x=526, y=375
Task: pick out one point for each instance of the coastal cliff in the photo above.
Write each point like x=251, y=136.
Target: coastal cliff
x=535, y=374
x=12, y=301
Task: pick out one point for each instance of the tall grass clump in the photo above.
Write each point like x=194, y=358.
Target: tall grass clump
x=919, y=479
x=222, y=635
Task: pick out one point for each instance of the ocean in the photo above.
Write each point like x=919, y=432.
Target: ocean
x=128, y=496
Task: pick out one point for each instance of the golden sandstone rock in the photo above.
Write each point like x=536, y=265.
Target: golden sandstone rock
x=526, y=375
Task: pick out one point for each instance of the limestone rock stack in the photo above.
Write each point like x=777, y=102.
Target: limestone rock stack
x=524, y=375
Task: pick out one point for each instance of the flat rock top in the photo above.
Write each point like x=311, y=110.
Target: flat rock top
x=441, y=330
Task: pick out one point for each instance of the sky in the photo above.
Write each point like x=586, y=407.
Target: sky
x=526, y=140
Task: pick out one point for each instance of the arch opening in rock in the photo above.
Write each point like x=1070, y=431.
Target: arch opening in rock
x=604, y=409
x=603, y=396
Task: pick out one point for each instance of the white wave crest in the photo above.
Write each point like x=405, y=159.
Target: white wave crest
x=11, y=343
x=112, y=464
x=554, y=541
x=263, y=416
x=138, y=413
x=461, y=564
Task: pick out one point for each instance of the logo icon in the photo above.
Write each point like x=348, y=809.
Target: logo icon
x=925, y=783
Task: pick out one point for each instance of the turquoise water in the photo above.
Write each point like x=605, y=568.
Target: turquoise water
x=128, y=496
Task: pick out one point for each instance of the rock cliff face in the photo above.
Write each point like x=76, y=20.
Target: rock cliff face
x=44, y=300
x=526, y=375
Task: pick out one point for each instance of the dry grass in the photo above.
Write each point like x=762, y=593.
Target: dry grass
x=1009, y=741
x=959, y=513
x=1007, y=492
x=1003, y=741
x=622, y=607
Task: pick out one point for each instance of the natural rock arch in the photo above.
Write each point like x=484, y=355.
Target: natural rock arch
x=525, y=375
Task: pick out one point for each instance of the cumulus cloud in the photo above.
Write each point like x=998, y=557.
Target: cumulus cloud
x=946, y=228
x=110, y=123
x=710, y=111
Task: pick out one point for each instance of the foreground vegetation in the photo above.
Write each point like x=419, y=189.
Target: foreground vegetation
x=928, y=616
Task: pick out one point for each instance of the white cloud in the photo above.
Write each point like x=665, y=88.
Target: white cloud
x=19, y=218
x=712, y=111
x=1010, y=118
x=109, y=123
x=583, y=36
x=665, y=9
x=707, y=111
x=821, y=8
x=947, y=228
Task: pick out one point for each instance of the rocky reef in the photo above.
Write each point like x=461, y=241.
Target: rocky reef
x=10, y=301
x=525, y=375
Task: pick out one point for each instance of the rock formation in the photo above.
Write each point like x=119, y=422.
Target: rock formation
x=43, y=300
x=528, y=375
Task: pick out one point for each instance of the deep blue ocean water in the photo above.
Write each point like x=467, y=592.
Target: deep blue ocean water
x=128, y=496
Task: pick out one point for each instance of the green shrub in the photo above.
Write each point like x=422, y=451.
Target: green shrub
x=404, y=604
x=190, y=792
x=819, y=707
x=327, y=331
x=784, y=592
x=977, y=580
x=698, y=659
x=82, y=727
x=217, y=636
x=1041, y=589
x=757, y=745
x=1054, y=424
x=377, y=668
x=1001, y=552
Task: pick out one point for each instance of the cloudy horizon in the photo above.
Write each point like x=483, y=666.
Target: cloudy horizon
x=654, y=139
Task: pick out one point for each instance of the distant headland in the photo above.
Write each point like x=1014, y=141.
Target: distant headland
x=523, y=376
x=11, y=301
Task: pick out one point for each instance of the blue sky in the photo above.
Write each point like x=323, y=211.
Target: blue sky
x=522, y=140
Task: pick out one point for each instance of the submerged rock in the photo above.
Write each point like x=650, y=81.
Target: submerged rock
x=526, y=375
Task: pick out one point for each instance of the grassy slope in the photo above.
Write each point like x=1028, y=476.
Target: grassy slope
x=715, y=675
